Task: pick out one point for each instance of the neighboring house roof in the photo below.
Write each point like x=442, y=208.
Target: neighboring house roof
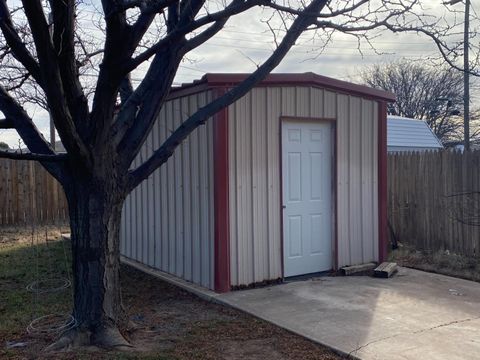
x=212, y=80
x=405, y=132
x=59, y=146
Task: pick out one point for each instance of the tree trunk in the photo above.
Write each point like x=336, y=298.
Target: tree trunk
x=95, y=213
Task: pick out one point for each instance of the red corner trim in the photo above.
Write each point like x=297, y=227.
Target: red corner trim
x=221, y=205
x=382, y=181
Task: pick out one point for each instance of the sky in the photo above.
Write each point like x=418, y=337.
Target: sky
x=245, y=42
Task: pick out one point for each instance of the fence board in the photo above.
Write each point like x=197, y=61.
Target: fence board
x=434, y=200
x=28, y=193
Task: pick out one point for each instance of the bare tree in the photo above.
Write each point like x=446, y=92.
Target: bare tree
x=459, y=139
x=423, y=92
x=101, y=141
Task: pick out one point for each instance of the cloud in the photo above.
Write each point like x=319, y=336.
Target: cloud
x=246, y=42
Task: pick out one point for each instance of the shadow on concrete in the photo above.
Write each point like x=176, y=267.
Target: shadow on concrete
x=413, y=315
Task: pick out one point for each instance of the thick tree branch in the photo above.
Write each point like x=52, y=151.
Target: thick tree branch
x=150, y=7
x=118, y=44
x=63, y=14
x=344, y=11
x=52, y=82
x=28, y=131
x=205, y=35
x=234, y=8
x=138, y=114
x=126, y=89
x=166, y=150
x=188, y=10
x=16, y=44
x=14, y=113
x=6, y=124
x=15, y=155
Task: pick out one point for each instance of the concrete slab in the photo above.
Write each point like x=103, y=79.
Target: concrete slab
x=414, y=315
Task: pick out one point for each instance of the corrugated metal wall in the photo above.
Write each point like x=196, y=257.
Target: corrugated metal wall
x=254, y=158
x=167, y=221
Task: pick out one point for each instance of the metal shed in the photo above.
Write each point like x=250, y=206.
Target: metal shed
x=288, y=180
x=407, y=134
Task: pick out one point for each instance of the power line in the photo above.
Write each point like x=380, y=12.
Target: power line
x=297, y=45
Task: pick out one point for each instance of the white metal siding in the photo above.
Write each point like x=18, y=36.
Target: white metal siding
x=405, y=134
x=167, y=221
x=254, y=175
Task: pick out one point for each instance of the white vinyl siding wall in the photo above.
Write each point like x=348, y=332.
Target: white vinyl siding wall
x=405, y=134
x=254, y=176
x=167, y=221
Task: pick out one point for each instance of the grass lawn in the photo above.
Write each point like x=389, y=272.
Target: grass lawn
x=164, y=322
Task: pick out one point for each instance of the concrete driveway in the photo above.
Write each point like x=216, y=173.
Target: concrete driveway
x=414, y=315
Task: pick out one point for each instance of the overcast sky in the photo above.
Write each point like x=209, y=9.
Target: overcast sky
x=245, y=42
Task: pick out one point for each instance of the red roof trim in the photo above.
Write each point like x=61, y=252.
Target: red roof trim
x=226, y=80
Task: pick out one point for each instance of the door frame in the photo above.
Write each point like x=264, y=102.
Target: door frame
x=333, y=183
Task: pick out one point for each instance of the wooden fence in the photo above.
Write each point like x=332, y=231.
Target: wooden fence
x=434, y=200
x=29, y=194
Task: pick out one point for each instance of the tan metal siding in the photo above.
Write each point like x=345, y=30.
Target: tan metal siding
x=167, y=221
x=255, y=187
x=354, y=161
x=274, y=225
x=343, y=143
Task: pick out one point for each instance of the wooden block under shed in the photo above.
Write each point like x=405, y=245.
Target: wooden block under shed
x=385, y=269
x=356, y=269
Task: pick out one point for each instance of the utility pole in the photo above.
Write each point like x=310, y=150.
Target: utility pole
x=466, y=83
x=466, y=73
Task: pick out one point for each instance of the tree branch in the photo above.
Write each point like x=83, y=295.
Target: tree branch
x=344, y=11
x=116, y=53
x=28, y=131
x=236, y=7
x=128, y=112
x=6, y=124
x=205, y=35
x=351, y=27
x=166, y=150
x=16, y=44
x=63, y=14
x=52, y=82
x=126, y=89
x=152, y=7
x=14, y=113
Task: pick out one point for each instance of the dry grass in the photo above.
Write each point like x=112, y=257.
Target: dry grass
x=441, y=262
x=164, y=322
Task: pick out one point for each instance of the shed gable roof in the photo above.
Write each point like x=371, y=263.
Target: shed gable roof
x=213, y=80
x=407, y=132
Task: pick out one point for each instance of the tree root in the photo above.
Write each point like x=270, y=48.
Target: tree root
x=108, y=337
x=71, y=339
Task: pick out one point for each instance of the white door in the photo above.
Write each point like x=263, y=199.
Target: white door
x=306, y=161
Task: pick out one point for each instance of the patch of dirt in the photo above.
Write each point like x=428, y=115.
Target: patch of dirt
x=23, y=235
x=441, y=262
x=172, y=320
x=251, y=349
x=165, y=322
